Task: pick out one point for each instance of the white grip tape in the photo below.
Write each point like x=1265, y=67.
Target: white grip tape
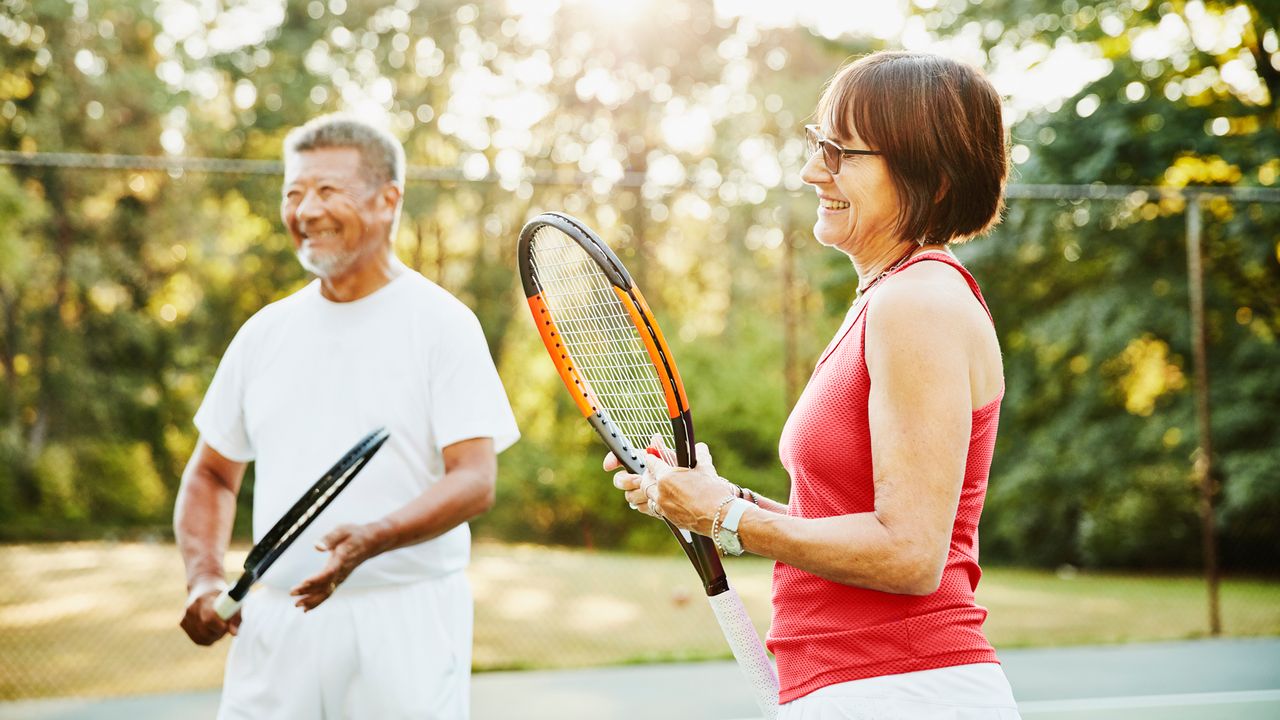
x=225, y=605
x=748, y=650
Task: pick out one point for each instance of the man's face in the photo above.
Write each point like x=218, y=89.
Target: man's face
x=333, y=212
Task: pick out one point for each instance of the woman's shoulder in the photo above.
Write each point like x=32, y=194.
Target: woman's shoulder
x=924, y=291
x=927, y=320
x=925, y=307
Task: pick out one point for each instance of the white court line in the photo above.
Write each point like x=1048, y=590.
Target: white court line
x=1142, y=701
x=1150, y=701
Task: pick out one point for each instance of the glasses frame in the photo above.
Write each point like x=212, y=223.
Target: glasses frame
x=832, y=154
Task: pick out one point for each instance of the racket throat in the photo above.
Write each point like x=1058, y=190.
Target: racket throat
x=682, y=433
x=702, y=553
x=241, y=588
x=631, y=458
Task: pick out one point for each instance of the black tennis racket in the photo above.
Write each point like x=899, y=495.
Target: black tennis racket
x=613, y=358
x=303, y=513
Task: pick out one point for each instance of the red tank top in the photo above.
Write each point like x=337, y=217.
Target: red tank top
x=824, y=632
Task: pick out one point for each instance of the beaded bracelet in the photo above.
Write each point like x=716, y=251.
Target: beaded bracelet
x=715, y=523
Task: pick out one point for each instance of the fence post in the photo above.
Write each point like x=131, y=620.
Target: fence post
x=1204, y=454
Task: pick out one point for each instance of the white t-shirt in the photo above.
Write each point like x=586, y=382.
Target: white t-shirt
x=305, y=378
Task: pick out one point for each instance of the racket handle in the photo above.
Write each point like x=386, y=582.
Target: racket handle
x=752, y=658
x=226, y=606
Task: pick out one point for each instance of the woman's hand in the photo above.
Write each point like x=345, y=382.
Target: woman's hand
x=687, y=497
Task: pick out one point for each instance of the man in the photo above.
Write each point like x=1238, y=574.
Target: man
x=375, y=621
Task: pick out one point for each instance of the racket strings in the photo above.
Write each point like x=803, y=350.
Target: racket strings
x=602, y=340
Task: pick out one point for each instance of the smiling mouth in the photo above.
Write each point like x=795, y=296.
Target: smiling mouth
x=319, y=235
x=833, y=204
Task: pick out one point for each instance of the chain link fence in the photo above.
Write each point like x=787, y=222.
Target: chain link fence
x=100, y=619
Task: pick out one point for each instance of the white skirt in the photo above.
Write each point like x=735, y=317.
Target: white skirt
x=963, y=692
x=397, y=651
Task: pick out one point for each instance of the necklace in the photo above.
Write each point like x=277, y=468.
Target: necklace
x=889, y=271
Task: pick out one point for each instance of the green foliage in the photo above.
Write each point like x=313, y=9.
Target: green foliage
x=96, y=483
x=120, y=289
x=1098, y=435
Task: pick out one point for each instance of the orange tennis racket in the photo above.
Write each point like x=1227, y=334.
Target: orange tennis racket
x=613, y=359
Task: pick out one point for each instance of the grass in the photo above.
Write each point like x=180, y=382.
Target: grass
x=97, y=619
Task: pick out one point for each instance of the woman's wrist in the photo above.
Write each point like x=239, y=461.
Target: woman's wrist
x=744, y=493
x=715, y=522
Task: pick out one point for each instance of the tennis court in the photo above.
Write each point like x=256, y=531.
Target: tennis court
x=1192, y=680
x=1181, y=680
x=1132, y=516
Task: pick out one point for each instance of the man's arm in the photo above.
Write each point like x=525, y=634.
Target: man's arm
x=202, y=518
x=466, y=491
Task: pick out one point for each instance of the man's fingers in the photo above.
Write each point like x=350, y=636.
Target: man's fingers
x=335, y=536
x=203, y=628
x=312, y=597
x=316, y=583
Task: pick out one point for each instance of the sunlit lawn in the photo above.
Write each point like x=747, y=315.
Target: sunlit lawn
x=91, y=619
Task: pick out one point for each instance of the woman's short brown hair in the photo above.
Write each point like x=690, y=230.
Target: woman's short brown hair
x=938, y=123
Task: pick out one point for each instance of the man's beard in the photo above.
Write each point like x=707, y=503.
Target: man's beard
x=326, y=264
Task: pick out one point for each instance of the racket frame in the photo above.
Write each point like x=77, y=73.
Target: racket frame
x=700, y=549
x=730, y=613
x=298, y=518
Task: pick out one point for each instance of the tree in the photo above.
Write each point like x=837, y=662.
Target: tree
x=1094, y=462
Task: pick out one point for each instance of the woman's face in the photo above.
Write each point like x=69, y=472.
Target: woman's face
x=857, y=207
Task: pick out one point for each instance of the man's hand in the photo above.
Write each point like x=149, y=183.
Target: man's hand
x=348, y=546
x=465, y=491
x=200, y=622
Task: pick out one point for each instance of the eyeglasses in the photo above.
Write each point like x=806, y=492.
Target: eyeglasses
x=832, y=154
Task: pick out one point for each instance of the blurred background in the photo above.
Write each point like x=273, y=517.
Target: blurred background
x=1135, y=284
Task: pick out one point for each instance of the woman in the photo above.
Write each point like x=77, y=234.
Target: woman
x=889, y=447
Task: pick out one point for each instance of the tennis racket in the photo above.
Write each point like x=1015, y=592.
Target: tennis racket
x=613, y=359
x=291, y=524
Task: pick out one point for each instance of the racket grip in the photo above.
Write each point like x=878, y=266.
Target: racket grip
x=225, y=605
x=752, y=658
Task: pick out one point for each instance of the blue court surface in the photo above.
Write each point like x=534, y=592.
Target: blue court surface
x=1200, y=680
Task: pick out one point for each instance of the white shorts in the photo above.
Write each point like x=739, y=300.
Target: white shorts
x=964, y=692
x=397, y=651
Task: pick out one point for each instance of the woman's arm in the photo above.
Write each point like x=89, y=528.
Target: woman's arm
x=768, y=504
x=920, y=409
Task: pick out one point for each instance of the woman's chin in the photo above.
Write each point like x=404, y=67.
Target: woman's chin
x=828, y=236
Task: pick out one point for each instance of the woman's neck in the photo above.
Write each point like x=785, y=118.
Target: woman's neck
x=876, y=263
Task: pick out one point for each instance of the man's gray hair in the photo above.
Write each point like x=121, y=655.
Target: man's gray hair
x=381, y=155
